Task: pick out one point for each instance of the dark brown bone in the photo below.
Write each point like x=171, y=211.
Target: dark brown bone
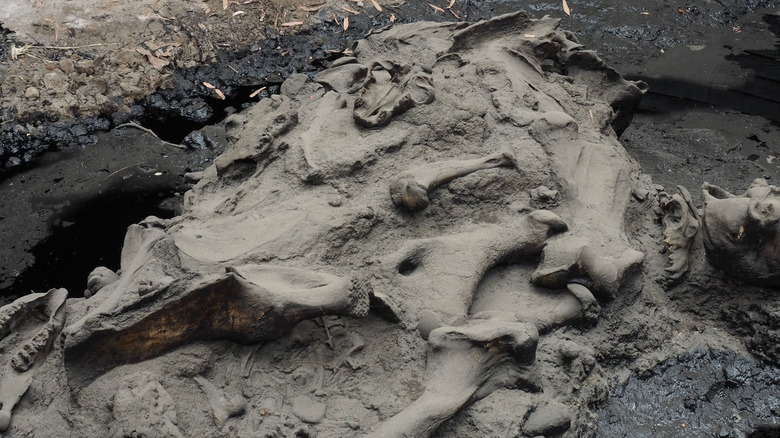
x=249, y=304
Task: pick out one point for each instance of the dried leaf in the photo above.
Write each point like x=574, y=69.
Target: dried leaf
x=681, y=10
x=566, y=9
x=313, y=8
x=238, y=13
x=351, y=11
x=392, y=18
x=457, y=17
x=203, y=27
x=376, y=5
x=220, y=94
x=209, y=86
x=436, y=7
x=256, y=92
x=156, y=62
x=292, y=23
x=452, y=3
x=529, y=35
x=346, y=23
x=224, y=4
x=644, y=13
x=592, y=120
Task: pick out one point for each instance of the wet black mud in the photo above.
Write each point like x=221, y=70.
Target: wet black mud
x=703, y=393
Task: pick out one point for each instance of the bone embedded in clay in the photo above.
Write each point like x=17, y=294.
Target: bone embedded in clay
x=466, y=364
x=410, y=189
x=681, y=227
x=741, y=234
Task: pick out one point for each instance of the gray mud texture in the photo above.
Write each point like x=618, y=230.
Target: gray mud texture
x=437, y=236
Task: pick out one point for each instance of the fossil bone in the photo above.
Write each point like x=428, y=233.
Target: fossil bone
x=466, y=364
x=741, y=234
x=32, y=352
x=442, y=273
x=248, y=304
x=571, y=260
x=222, y=407
x=682, y=225
x=410, y=189
x=389, y=90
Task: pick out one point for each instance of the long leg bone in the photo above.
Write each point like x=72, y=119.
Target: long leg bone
x=466, y=364
x=682, y=225
x=410, y=189
x=28, y=356
x=249, y=304
x=441, y=274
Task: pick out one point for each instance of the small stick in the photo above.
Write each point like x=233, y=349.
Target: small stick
x=327, y=332
x=150, y=132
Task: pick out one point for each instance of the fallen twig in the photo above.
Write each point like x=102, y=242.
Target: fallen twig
x=150, y=132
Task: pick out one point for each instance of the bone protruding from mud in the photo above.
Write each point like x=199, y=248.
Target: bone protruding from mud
x=221, y=406
x=740, y=233
x=249, y=304
x=442, y=273
x=681, y=222
x=466, y=364
x=571, y=260
x=33, y=351
x=391, y=89
x=410, y=189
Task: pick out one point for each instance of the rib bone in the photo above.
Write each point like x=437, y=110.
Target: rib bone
x=410, y=189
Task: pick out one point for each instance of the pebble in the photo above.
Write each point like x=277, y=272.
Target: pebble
x=32, y=93
x=308, y=409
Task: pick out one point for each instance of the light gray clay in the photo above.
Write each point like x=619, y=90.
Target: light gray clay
x=741, y=234
x=681, y=222
x=142, y=407
x=410, y=189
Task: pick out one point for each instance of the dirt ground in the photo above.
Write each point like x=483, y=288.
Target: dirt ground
x=72, y=71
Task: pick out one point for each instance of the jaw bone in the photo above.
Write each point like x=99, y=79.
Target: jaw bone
x=466, y=364
x=410, y=189
x=682, y=225
x=249, y=304
x=28, y=357
x=442, y=273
